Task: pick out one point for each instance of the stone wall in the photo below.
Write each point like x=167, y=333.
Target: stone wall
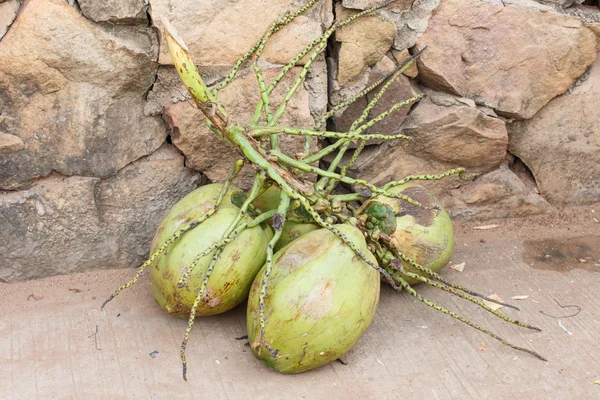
x=98, y=139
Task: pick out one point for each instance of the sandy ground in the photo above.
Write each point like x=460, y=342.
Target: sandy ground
x=55, y=343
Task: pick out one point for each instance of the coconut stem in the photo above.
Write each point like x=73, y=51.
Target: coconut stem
x=192, y=317
x=259, y=46
x=456, y=171
x=451, y=290
x=278, y=224
x=259, y=131
x=439, y=278
x=338, y=107
x=264, y=97
x=320, y=186
x=309, y=168
x=222, y=243
x=358, y=132
x=364, y=115
x=462, y=319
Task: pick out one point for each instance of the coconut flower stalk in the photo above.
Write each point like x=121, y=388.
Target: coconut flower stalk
x=258, y=146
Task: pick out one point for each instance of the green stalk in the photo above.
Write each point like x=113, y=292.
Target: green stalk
x=299, y=165
x=259, y=131
x=204, y=98
x=360, y=120
x=259, y=46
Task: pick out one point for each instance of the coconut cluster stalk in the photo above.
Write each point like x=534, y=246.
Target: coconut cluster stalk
x=299, y=199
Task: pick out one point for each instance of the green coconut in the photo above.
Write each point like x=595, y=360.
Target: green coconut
x=235, y=270
x=269, y=200
x=424, y=234
x=291, y=231
x=321, y=298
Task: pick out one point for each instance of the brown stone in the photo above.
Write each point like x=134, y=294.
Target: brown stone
x=466, y=56
x=362, y=43
x=452, y=130
x=400, y=5
x=561, y=144
x=8, y=13
x=208, y=153
x=412, y=71
x=218, y=32
x=498, y=194
x=73, y=224
x=115, y=11
x=10, y=143
x=595, y=27
x=74, y=94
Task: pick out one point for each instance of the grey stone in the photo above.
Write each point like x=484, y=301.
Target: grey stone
x=115, y=11
x=561, y=144
x=72, y=224
x=413, y=22
x=498, y=194
x=74, y=94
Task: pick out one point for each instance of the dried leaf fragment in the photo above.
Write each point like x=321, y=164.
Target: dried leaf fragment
x=458, y=267
x=485, y=227
x=494, y=306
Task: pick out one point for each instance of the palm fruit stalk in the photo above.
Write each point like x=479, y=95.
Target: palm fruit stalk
x=257, y=144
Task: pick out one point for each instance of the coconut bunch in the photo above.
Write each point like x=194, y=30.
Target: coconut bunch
x=308, y=259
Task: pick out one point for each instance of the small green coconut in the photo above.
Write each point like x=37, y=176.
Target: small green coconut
x=321, y=298
x=269, y=200
x=292, y=231
x=235, y=270
x=424, y=234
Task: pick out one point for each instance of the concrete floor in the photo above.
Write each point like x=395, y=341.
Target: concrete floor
x=49, y=348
